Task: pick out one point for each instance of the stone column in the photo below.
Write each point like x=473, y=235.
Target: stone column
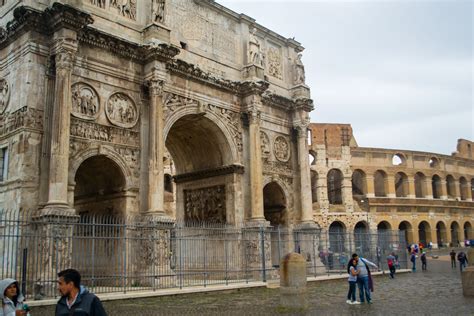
x=256, y=179
x=468, y=192
x=411, y=188
x=391, y=193
x=305, y=177
x=428, y=188
x=321, y=187
x=457, y=191
x=64, y=50
x=444, y=190
x=156, y=149
x=370, y=186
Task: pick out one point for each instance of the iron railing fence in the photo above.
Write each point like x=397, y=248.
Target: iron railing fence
x=129, y=253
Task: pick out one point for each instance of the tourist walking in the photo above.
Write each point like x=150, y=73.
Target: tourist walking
x=423, y=261
x=12, y=299
x=413, y=261
x=462, y=258
x=76, y=299
x=364, y=278
x=453, y=258
x=353, y=272
x=391, y=262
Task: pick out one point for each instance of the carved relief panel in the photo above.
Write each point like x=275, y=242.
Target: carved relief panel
x=265, y=145
x=126, y=8
x=281, y=149
x=4, y=94
x=274, y=62
x=85, y=102
x=121, y=110
x=205, y=204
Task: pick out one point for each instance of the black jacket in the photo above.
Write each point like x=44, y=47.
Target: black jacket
x=86, y=304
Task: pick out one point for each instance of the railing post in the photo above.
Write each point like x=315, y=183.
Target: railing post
x=279, y=245
x=262, y=246
x=124, y=253
x=178, y=235
x=205, y=261
x=93, y=250
x=226, y=263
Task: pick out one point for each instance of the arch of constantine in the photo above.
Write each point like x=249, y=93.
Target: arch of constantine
x=179, y=109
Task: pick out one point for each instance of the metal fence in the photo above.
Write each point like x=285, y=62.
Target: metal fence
x=121, y=254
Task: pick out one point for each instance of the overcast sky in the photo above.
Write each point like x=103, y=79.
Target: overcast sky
x=401, y=71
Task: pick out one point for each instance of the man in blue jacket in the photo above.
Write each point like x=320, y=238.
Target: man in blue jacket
x=76, y=299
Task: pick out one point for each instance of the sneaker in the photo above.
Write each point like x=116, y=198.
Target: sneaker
x=348, y=302
x=355, y=303
x=369, y=302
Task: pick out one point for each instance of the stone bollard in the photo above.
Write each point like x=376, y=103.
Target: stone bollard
x=470, y=256
x=467, y=277
x=293, y=281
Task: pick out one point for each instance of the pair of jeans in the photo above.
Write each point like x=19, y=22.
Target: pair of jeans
x=363, y=283
x=351, y=295
x=392, y=271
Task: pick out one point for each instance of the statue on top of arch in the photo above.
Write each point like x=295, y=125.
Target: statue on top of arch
x=158, y=10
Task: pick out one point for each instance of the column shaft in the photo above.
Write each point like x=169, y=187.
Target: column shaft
x=256, y=182
x=305, y=177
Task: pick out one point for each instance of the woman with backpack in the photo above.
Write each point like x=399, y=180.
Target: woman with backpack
x=391, y=262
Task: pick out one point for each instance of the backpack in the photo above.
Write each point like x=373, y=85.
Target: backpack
x=390, y=263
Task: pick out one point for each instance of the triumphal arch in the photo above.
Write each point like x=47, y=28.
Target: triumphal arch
x=177, y=108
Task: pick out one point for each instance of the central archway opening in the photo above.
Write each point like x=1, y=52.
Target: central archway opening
x=204, y=170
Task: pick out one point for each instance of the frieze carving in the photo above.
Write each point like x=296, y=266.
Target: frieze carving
x=99, y=3
x=89, y=130
x=274, y=63
x=126, y=8
x=205, y=204
x=281, y=149
x=265, y=145
x=277, y=167
x=121, y=110
x=173, y=102
x=23, y=117
x=232, y=121
x=85, y=102
x=4, y=94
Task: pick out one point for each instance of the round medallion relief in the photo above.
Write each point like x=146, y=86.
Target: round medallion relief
x=4, y=94
x=85, y=102
x=281, y=149
x=121, y=110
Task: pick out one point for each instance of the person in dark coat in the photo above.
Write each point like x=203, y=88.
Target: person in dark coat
x=453, y=258
x=423, y=261
x=75, y=299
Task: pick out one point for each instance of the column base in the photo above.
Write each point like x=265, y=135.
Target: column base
x=257, y=222
x=57, y=209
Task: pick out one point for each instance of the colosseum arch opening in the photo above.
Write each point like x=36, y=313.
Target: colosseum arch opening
x=380, y=183
x=424, y=233
x=407, y=231
x=200, y=153
x=314, y=186
x=359, y=184
x=436, y=186
x=337, y=237
x=451, y=187
x=362, y=237
x=384, y=235
x=468, y=233
x=455, y=234
x=420, y=180
x=401, y=184
x=441, y=234
x=334, y=185
x=463, y=188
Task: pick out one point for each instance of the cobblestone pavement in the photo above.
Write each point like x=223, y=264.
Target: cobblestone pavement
x=437, y=291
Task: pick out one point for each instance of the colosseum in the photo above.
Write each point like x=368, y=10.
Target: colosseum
x=428, y=196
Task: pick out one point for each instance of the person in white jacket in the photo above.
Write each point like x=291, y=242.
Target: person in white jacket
x=12, y=299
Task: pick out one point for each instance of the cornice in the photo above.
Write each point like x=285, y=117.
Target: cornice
x=304, y=104
x=184, y=69
x=64, y=16
x=247, y=88
x=279, y=101
x=203, y=174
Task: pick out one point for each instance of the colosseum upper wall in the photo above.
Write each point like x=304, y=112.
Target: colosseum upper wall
x=427, y=195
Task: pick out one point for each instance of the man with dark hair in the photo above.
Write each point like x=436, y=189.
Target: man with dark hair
x=76, y=299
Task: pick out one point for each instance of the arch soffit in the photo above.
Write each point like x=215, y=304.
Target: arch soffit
x=467, y=222
x=442, y=222
x=387, y=223
x=181, y=112
x=82, y=156
x=363, y=222
x=283, y=186
x=454, y=222
x=409, y=226
x=426, y=223
x=343, y=225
